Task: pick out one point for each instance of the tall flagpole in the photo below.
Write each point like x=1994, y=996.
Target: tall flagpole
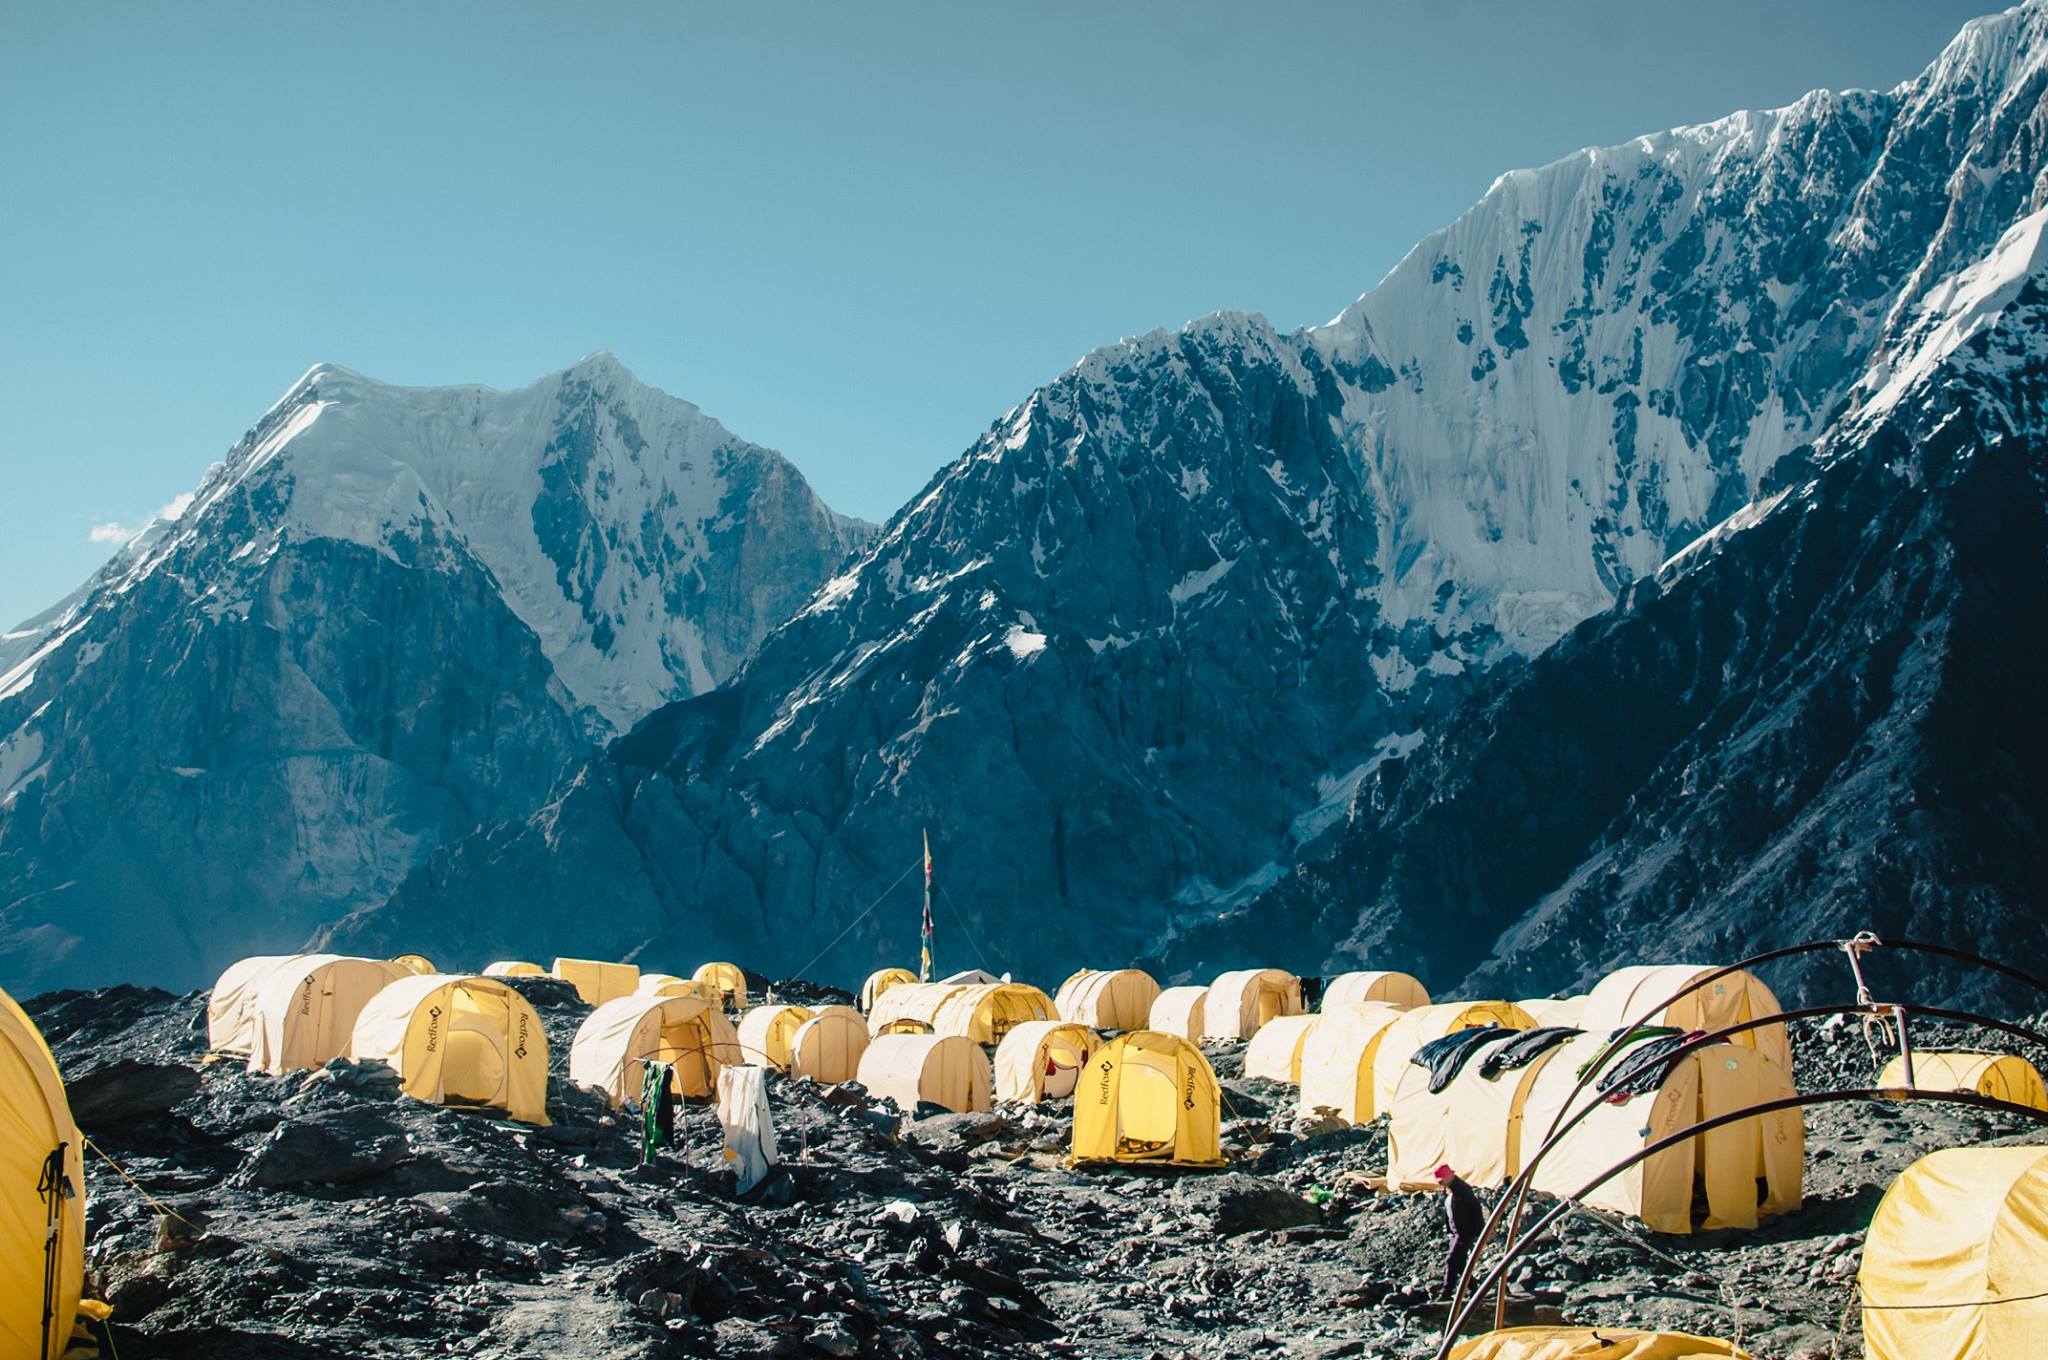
x=924, y=962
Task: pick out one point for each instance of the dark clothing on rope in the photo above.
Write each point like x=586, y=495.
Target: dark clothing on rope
x=1525, y=1048
x=1644, y=1068
x=1620, y=1041
x=1466, y=1217
x=657, y=1109
x=1444, y=1058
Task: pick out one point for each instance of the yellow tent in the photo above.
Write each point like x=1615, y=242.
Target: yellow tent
x=1998, y=1075
x=1417, y=1027
x=306, y=1009
x=1594, y=1343
x=1120, y=998
x=881, y=980
x=985, y=1012
x=1563, y=1012
x=615, y=1042
x=1042, y=1060
x=514, y=968
x=665, y=984
x=1729, y=1162
x=1240, y=1002
x=909, y=1007
x=598, y=982
x=35, y=1127
x=1621, y=996
x=231, y=1019
x=727, y=979
x=1337, y=1060
x=827, y=1047
x=766, y=1031
x=1474, y=1123
x=1178, y=1011
x=1148, y=1096
x=946, y=1070
x=836, y=1009
x=459, y=1041
x=1351, y=989
x=1275, y=1051
x=416, y=963
x=1955, y=1265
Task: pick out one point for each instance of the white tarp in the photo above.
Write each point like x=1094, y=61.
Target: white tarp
x=749, y=1129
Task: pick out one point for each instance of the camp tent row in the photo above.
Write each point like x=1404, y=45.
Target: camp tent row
x=42, y=1236
x=1489, y=1128
x=982, y=1012
x=293, y=1012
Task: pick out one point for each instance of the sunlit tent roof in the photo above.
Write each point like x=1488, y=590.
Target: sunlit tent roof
x=35, y=1120
x=985, y=1012
x=1417, y=1027
x=1349, y=989
x=615, y=1042
x=1042, y=1059
x=828, y=1046
x=1337, y=1060
x=1728, y=1162
x=598, y=982
x=1594, y=1343
x=1474, y=1124
x=666, y=984
x=416, y=963
x=1240, y=1002
x=766, y=1032
x=1275, y=1051
x=1178, y=1011
x=728, y=978
x=946, y=1070
x=459, y=1041
x=306, y=1008
x=231, y=1009
x=1116, y=998
x=1955, y=1264
x=514, y=968
x=909, y=1007
x=1998, y=1075
x=1565, y=1011
x=880, y=981
x=1147, y=1096
x=1622, y=995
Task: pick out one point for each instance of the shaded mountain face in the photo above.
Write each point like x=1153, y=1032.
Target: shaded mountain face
x=1825, y=718
x=1135, y=650
x=390, y=614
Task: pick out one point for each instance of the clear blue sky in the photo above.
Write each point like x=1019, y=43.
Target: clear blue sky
x=857, y=233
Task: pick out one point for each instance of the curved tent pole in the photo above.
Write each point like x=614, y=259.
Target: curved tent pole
x=1853, y=947
x=1498, y=1274
x=1518, y=1189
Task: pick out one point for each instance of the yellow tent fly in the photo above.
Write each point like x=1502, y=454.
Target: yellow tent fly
x=616, y=1040
x=1042, y=1060
x=459, y=1041
x=1998, y=1075
x=1148, y=1097
x=42, y=1231
x=1594, y=1343
x=1119, y=998
x=1955, y=1264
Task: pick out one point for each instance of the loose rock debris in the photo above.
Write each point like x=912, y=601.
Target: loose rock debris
x=323, y=1215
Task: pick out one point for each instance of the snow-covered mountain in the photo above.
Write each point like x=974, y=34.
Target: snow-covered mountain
x=389, y=614
x=1823, y=717
x=1137, y=647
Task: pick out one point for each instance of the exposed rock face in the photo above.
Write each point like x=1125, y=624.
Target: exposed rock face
x=389, y=615
x=1824, y=718
x=1139, y=646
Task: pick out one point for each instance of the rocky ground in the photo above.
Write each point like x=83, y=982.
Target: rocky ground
x=323, y=1216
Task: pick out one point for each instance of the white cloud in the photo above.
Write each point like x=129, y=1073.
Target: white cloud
x=114, y=532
